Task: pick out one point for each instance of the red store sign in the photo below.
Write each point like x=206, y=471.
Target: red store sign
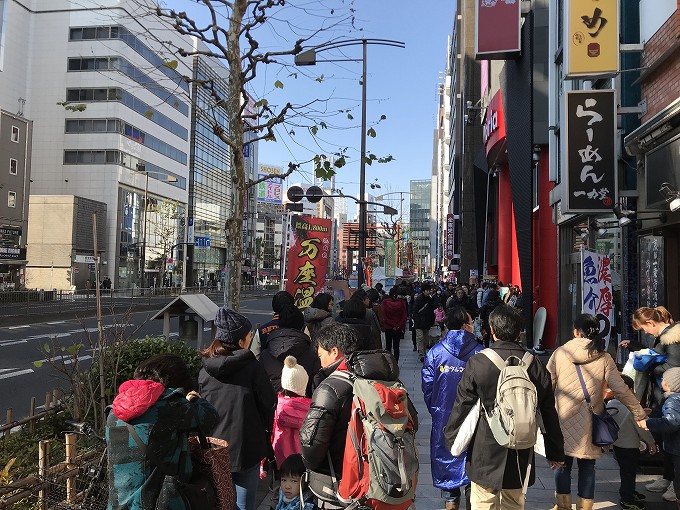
x=494, y=125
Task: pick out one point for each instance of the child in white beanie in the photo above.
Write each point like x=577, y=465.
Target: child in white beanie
x=669, y=423
x=291, y=410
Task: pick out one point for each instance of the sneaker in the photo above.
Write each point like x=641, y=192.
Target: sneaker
x=631, y=506
x=659, y=485
x=669, y=495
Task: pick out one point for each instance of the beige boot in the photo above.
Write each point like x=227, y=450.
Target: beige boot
x=563, y=502
x=584, y=504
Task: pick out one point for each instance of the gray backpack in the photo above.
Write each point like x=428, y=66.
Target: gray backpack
x=512, y=419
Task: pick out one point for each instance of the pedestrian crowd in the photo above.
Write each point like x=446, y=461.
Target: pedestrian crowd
x=312, y=400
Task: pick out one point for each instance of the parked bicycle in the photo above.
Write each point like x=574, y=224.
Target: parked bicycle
x=85, y=486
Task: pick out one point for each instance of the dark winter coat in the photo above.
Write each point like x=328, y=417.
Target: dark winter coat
x=489, y=464
x=284, y=342
x=669, y=346
x=668, y=424
x=161, y=418
x=423, y=311
x=315, y=319
x=365, y=330
x=442, y=371
x=325, y=425
x=239, y=388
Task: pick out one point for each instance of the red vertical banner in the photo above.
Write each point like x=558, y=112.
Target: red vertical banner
x=308, y=258
x=450, y=229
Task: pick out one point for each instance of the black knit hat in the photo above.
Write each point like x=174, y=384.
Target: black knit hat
x=231, y=326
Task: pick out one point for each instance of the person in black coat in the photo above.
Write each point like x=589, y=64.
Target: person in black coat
x=324, y=429
x=492, y=301
x=354, y=314
x=492, y=468
x=423, y=317
x=237, y=385
x=288, y=340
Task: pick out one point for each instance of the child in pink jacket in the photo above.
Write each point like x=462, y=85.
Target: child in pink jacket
x=290, y=411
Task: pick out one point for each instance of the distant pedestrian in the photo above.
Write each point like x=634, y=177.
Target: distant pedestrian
x=394, y=312
x=423, y=317
x=319, y=314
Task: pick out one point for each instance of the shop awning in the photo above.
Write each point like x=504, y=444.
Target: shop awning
x=656, y=130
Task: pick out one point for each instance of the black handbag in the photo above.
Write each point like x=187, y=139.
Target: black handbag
x=605, y=429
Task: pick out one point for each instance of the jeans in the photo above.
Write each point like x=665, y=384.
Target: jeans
x=245, y=483
x=392, y=339
x=586, y=477
x=628, y=459
x=455, y=494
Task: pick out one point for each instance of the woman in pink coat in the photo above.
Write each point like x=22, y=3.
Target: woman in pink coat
x=290, y=411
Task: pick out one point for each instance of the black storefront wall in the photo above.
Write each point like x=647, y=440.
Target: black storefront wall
x=517, y=89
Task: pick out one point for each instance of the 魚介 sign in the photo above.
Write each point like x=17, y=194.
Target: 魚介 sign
x=596, y=297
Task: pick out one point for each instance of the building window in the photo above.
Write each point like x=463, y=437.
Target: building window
x=15, y=134
x=13, y=166
x=12, y=199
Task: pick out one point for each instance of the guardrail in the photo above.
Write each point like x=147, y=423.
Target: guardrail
x=45, y=302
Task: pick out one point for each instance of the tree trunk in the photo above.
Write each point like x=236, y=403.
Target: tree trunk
x=238, y=178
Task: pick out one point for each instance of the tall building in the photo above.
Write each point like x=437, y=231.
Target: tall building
x=440, y=203
x=112, y=121
x=420, y=227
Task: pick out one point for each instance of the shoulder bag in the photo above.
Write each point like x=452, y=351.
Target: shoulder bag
x=605, y=429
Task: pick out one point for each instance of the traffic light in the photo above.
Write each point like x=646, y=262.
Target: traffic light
x=295, y=207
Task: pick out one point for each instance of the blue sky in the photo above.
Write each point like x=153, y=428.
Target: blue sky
x=402, y=86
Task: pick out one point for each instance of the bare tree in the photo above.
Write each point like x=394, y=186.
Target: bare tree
x=238, y=33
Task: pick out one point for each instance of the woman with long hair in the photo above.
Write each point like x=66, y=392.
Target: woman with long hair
x=584, y=353
x=238, y=386
x=658, y=323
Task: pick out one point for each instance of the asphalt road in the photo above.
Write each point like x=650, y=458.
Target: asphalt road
x=21, y=346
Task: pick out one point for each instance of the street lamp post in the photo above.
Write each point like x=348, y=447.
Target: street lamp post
x=308, y=57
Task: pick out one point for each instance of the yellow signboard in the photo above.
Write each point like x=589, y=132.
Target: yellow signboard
x=591, y=41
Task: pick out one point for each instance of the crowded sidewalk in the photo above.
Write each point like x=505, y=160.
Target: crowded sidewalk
x=540, y=496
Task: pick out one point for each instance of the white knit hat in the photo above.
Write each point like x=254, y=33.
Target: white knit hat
x=294, y=377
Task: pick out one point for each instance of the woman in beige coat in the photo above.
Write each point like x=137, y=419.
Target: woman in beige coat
x=598, y=368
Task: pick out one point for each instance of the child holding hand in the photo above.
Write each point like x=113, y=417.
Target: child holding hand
x=669, y=423
x=631, y=441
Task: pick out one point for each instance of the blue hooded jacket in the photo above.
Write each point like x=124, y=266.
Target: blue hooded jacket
x=442, y=371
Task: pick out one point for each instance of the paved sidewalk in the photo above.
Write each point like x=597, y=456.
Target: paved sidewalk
x=541, y=495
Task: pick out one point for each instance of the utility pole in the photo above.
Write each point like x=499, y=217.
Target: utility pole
x=100, y=326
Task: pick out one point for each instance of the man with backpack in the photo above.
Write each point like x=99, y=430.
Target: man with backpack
x=512, y=388
x=337, y=473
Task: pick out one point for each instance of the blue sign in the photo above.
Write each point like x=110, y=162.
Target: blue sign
x=203, y=242
x=246, y=150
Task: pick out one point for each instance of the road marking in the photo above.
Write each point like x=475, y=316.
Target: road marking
x=19, y=327
x=56, y=322
x=65, y=359
x=48, y=335
x=12, y=342
x=15, y=374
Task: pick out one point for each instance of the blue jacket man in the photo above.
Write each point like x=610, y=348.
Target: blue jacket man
x=442, y=371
